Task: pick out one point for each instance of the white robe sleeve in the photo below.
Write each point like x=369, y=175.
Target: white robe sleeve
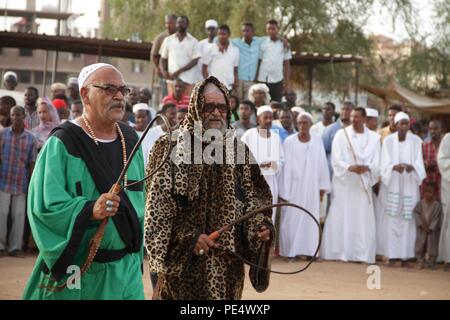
x=375, y=163
x=339, y=162
x=387, y=163
x=443, y=157
x=324, y=179
x=419, y=167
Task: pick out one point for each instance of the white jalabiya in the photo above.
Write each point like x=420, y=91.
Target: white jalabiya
x=443, y=160
x=265, y=150
x=400, y=193
x=304, y=174
x=318, y=129
x=349, y=233
x=147, y=144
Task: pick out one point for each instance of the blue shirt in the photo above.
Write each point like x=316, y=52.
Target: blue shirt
x=328, y=137
x=249, y=56
x=282, y=132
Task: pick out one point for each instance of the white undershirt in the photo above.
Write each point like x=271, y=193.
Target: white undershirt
x=99, y=140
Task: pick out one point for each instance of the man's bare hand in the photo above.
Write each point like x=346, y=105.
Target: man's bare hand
x=204, y=243
x=264, y=234
x=100, y=211
x=409, y=168
x=399, y=168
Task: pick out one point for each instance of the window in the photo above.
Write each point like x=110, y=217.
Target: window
x=24, y=76
x=137, y=67
x=25, y=52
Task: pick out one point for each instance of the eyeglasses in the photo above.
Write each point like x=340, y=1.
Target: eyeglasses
x=111, y=89
x=210, y=107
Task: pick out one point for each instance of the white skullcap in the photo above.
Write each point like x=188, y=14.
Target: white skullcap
x=9, y=74
x=140, y=106
x=401, y=116
x=259, y=87
x=72, y=80
x=297, y=109
x=372, y=113
x=307, y=114
x=58, y=86
x=263, y=109
x=88, y=70
x=211, y=24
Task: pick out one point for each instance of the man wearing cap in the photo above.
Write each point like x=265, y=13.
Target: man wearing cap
x=211, y=26
x=304, y=180
x=222, y=59
x=372, y=119
x=73, y=92
x=143, y=117
x=391, y=127
x=266, y=146
x=10, y=81
x=402, y=172
x=349, y=232
x=179, y=56
x=69, y=196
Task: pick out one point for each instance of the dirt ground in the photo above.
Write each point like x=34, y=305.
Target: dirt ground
x=323, y=280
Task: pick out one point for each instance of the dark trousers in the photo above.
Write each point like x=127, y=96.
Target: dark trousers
x=276, y=90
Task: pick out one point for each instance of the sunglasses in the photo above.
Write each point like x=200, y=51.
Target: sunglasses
x=111, y=89
x=210, y=107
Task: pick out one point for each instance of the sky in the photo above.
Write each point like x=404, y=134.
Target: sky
x=377, y=24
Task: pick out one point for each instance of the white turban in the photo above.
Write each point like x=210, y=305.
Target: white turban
x=372, y=113
x=307, y=114
x=401, y=116
x=263, y=109
x=141, y=106
x=297, y=109
x=9, y=74
x=86, y=72
x=259, y=87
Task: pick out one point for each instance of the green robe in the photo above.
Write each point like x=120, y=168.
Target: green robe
x=60, y=200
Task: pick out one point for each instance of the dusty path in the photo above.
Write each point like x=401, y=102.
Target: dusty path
x=324, y=280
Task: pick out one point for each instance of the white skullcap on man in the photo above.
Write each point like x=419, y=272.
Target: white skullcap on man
x=211, y=24
x=87, y=71
x=71, y=81
x=259, y=87
x=9, y=74
x=372, y=113
x=297, y=109
x=263, y=109
x=401, y=116
x=306, y=114
x=141, y=106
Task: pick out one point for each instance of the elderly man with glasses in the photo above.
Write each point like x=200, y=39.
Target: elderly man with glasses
x=69, y=197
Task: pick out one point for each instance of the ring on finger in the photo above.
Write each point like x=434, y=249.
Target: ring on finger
x=201, y=252
x=109, y=203
x=109, y=209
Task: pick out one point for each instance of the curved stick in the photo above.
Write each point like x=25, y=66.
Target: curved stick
x=216, y=234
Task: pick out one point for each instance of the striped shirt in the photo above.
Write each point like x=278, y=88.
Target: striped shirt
x=17, y=153
x=181, y=104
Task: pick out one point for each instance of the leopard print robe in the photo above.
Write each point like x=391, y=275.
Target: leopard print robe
x=186, y=200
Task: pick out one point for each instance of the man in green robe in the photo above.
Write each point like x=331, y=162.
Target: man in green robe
x=69, y=197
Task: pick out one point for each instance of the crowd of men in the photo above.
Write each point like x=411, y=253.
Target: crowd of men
x=383, y=190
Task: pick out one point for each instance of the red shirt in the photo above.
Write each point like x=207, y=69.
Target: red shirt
x=430, y=160
x=182, y=103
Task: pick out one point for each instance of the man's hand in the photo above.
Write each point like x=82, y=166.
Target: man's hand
x=264, y=233
x=100, y=211
x=399, y=168
x=425, y=228
x=354, y=169
x=204, y=243
x=409, y=168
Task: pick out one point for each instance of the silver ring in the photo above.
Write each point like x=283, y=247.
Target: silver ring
x=109, y=203
x=109, y=209
x=201, y=252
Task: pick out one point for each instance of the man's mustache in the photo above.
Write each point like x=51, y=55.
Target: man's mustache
x=117, y=105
